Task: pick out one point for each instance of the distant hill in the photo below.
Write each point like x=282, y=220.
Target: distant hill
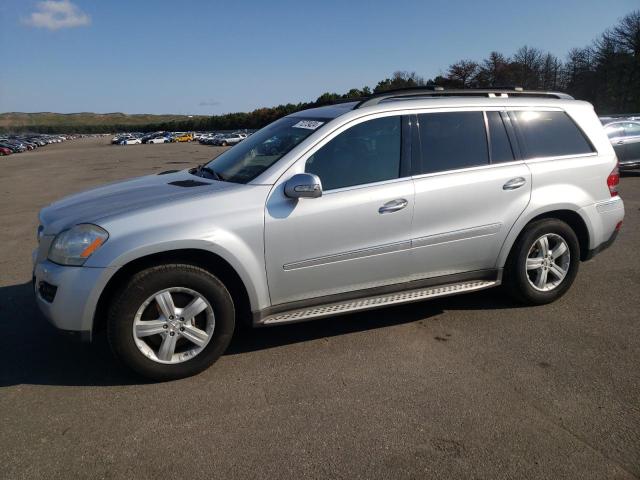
x=22, y=121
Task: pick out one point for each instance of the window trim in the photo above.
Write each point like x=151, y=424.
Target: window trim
x=510, y=140
x=487, y=135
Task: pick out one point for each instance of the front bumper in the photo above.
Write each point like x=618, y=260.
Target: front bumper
x=67, y=296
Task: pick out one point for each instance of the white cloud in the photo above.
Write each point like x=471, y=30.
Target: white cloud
x=57, y=14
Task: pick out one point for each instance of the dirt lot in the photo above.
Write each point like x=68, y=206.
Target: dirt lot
x=465, y=387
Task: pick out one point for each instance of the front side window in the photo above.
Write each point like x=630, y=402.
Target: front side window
x=256, y=153
x=452, y=140
x=550, y=134
x=365, y=153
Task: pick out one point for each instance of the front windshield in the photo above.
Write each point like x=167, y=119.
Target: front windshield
x=249, y=158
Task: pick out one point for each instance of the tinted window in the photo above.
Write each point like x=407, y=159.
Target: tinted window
x=632, y=129
x=500, y=146
x=366, y=153
x=550, y=134
x=452, y=140
x=251, y=157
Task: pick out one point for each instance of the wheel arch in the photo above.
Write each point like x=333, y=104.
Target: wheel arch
x=205, y=259
x=571, y=217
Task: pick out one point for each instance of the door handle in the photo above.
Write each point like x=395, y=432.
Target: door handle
x=514, y=183
x=393, y=206
x=620, y=142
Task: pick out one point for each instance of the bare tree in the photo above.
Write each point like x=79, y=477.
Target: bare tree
x=527, y=66
x=551, y=73
x=494, y=71
x=462, y=72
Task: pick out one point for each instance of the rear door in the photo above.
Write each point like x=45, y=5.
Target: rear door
x=470, y=189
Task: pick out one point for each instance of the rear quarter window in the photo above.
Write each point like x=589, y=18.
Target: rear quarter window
x=550, y=134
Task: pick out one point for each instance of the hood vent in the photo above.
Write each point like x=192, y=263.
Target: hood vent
x=188, y=183
x=166, y=172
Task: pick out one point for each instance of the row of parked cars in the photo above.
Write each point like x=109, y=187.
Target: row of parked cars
x=624, y=135
x=222, y=139
x=136, y=138
x=205, y=138
x=21, y=143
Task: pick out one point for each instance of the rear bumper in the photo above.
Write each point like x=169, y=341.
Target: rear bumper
x=604, y=220
x=603, y=246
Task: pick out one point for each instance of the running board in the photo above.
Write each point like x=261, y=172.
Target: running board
x=377, y=301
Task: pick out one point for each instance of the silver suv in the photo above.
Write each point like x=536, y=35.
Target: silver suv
x=401, y=197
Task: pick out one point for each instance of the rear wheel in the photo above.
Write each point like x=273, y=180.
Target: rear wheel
x=171, y=321
x=543, y=263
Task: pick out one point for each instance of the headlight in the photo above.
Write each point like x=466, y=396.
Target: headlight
x=74, y=246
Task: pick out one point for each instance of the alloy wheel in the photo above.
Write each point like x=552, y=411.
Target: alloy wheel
x=548, y=262
x=173, y=325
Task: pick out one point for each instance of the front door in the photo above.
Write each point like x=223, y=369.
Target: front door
x=357, y=234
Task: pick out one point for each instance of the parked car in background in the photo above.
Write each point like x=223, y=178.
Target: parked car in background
x=229, y=139
x=129, y=140
x=15, y=146
x=159, y=140
x=625, y=139
x=183, y=137
x=210, y=139
x=5, y=151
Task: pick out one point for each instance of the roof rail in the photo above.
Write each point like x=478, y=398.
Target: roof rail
x=418, y=92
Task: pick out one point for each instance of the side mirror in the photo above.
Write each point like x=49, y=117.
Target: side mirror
x=303, y=185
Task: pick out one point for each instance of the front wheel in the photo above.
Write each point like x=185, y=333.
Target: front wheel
x=171, y=321
x=543, y=263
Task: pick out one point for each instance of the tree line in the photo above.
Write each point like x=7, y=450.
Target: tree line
x=605, y=73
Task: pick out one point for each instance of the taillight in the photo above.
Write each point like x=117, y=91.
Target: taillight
x=613, y=180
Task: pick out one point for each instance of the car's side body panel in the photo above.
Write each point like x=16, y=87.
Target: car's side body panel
x=286, y=251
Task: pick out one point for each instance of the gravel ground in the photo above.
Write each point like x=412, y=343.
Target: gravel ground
x=464, y=387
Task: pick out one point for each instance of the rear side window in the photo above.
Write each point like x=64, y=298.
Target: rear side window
x=500, y=146
x=632, y=129
x=614, y=131
x=452, y=140
x=550, y=134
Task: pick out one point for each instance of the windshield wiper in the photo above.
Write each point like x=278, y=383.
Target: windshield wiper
x=203, y=168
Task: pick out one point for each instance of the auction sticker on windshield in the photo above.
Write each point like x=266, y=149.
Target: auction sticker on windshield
x=308, y=124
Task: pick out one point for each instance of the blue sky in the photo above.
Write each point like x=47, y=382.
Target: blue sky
x=207, y=57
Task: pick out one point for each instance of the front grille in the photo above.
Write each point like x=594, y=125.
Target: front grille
x=47, y=291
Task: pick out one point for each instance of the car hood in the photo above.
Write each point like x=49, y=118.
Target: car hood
x=120, y=198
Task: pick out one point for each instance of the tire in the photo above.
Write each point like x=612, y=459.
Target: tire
x=224, y=144
x=526, y=265
x=128, y=302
